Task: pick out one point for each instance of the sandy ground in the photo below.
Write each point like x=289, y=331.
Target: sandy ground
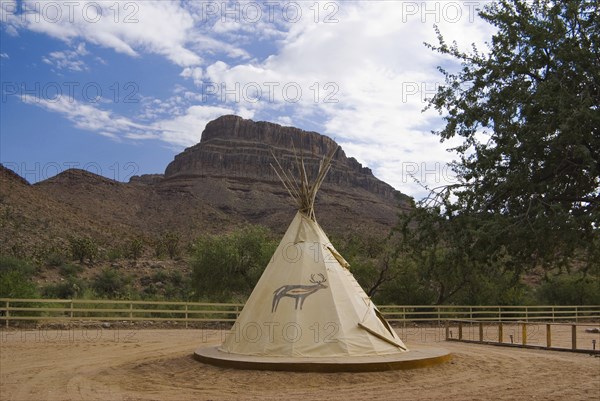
x=140, y=364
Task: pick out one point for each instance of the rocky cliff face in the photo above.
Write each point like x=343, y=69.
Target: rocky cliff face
x=233, y=147
x=223, y=182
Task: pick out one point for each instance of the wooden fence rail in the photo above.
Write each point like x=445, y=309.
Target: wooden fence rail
x=72, y=310
x=575, y=337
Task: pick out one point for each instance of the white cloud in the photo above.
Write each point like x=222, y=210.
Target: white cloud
x=4, y=55
x=159, y=27
x=86, y=116
x=361, y=80
x=374, y=64
x=195, y=73
x=178, y=131
x=69, y=59
x=185, y=130
x=167, y=28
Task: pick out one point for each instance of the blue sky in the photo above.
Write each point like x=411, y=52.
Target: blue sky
x=120, y=87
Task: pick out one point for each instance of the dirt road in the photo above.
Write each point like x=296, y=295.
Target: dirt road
x=130, y=364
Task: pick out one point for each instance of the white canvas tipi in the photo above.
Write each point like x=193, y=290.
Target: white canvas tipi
x=307, y=303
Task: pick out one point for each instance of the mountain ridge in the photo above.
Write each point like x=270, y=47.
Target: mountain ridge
x=220, y=183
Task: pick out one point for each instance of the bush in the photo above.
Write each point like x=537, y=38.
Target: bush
x=171, y=244
x=55, y=257
x=15, y=278
x=573, y=289
x=69, y=270
x=82, y=248
x=71, y=288
x=110, y=283
x=167, y=286
x=135, y=247
x=114, y=254
x=227, y=267
x=159, y=247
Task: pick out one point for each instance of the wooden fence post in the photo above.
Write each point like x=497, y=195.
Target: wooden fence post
x=71, y=312
x=447, y=330
x=7, y=312
x=524, y=333
x=500, y=340
x=186, y=315
x=480, y=331
x=574, y=336
x=460, y=331
x=548, y=336
x=130, y=310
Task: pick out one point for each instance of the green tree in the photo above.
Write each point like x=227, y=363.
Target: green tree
x=570, y=290
x=227, y=267
x=529, y=116
x=15, y=278
x=373, y=261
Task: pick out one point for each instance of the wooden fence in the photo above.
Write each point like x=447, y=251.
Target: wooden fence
x=77, y=310
x=575, y=337
x=442, y=313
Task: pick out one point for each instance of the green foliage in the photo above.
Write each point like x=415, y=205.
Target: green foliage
x=68, y=289
x=527, y=112
x=570, y=290
x=70, y=270
x=135, y=247
x=15, y=278
x=55, y=258
x=227, y=267
x=83, y=248
x=49, y=255
x=407, y=288
x=372, y=260
x=111, y=283
x=170, y=242
x=164, y=285
x=114, y=254
x=159, y=248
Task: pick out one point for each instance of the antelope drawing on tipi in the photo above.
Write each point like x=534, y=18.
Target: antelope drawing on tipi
x=339, y=319
x=298, y=292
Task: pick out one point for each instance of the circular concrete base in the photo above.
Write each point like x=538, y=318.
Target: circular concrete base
x=417, y=357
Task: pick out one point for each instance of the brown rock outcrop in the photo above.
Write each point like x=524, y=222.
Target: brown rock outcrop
x=234, y=147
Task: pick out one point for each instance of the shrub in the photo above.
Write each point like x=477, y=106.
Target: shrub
x=114, y=254
x=228, y=266
x=15, y=278
x=171, y=244
x=159, y=247
x=110, y=283
x=71, y=288
x=135, y=247
x=69, y=270
x=573, y=289
x=82, y=248
x=55, y=258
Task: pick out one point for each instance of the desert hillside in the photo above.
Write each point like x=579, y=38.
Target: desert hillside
x=221, y=183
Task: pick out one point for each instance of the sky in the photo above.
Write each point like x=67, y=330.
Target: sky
x=119, y=88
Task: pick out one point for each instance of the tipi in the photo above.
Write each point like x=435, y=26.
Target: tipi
x=307, y=303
